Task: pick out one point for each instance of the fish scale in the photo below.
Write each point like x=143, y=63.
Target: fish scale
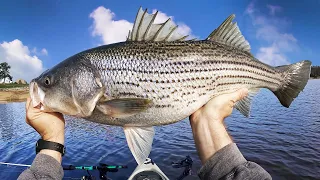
x=156, y=77
x=147, y=76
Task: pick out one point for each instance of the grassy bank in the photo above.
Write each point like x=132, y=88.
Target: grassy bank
x=13, y=96
x=13, y=93
x=12, y=85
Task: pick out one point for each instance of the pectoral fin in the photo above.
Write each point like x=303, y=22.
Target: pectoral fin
x=139, y=140
x=125, y=107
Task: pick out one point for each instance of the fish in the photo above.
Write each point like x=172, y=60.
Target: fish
x=158, y=77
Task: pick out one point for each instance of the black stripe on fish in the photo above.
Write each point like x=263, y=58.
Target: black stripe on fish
x=128, y=83
x=255, y=71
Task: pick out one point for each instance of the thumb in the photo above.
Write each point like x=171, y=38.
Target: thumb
x=28, y=103
x=239, y=94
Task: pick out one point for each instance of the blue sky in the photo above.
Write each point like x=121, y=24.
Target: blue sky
x=36, y=35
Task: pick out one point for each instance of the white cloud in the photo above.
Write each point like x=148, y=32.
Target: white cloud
x=182, y=29
x=43, y=51
x=112, y=31
x=269, y=30
x=34, y=50
x=104, y=25
x=18, y=56
x=161, y=17
x=273, y=9
x=250, y=8
x=271, y=55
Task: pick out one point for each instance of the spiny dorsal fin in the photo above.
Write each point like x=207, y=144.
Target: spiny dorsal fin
x=144, y=29
x=229, y=33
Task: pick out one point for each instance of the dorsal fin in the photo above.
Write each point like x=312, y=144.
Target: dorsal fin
x=229, y=33
x=144, y=29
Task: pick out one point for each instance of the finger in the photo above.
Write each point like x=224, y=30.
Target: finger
x=28, y=102
x=29, y=105
x=27, y=108
x=239, y=94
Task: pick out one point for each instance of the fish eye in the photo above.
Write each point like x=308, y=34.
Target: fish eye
x=47, y=81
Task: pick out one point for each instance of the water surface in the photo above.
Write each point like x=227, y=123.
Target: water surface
x=286, y=142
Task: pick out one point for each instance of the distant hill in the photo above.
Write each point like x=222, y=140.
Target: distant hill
x=315, y=72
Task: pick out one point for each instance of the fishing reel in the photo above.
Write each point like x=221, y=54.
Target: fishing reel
x=102, y=168
x=187, y=164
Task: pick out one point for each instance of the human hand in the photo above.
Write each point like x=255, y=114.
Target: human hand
x=218, y=108
x=49, y=125
x=209, y=132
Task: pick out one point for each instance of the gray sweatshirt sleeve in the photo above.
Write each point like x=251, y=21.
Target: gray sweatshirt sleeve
x=228, y=163
x=43, y=167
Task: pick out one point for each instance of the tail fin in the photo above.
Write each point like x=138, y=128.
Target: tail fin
x=296, y=77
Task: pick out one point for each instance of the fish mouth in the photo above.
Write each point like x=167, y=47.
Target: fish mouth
x=37, y=95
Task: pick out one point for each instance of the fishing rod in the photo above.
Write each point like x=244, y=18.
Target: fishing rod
x=104, y=169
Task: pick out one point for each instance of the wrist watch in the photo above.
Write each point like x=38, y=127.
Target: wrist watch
x=43, y=144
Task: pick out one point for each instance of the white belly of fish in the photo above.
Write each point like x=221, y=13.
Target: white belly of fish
x=161, y=113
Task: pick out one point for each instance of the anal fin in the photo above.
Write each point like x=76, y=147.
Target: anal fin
x=244, y=105
x=139, y=140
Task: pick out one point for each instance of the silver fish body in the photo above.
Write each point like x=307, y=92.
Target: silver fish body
x=157, y=78
x=178, y=77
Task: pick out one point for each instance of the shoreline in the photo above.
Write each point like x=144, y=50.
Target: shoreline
x=11, y=95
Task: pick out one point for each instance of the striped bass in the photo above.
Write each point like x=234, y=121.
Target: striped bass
x=157, y=77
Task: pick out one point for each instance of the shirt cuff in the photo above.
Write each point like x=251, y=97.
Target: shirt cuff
x=46, y=166
x=222, y=162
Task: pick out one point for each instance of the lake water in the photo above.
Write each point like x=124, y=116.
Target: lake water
x=286, y=142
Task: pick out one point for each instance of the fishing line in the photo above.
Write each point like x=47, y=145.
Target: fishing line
x=12, y=171
x=13, y=164
x=26, y=165
x=72, y=178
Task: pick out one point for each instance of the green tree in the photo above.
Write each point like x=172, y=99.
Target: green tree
x=4, y=71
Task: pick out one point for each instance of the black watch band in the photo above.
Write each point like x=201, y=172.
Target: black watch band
x=42, y=144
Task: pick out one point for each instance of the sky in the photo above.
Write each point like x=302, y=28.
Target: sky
x=35, y=35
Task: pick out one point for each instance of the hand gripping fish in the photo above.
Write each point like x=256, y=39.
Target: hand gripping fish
x=157, y=77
